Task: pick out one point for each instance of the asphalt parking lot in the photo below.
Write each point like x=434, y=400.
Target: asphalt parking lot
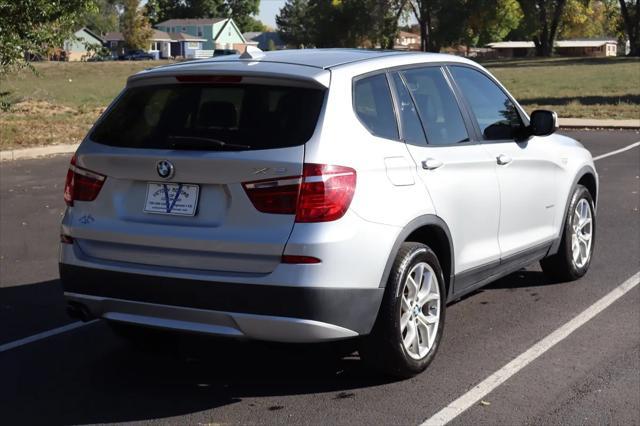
x=90, y=375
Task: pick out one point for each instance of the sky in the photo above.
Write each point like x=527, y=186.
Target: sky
x=268, y=11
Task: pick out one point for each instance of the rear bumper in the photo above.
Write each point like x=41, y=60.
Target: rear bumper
x=265, y=312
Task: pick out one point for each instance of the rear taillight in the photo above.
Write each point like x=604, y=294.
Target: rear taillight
x=81, y=184
x=323, y=193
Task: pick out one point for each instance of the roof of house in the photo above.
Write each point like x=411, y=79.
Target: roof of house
x=113, y=36
x=185, y=22
x=157, y=35
x=558, y=43
x=512, y=45
x=91, y=34
x=585, y=43
x=184, y=37
x=262, y=38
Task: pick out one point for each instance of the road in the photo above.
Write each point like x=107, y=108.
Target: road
x=90, y=375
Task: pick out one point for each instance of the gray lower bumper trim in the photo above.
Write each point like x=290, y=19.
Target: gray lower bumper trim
x=229, y=324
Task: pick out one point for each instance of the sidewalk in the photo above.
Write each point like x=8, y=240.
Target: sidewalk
x=582, y=123
x=565, y=123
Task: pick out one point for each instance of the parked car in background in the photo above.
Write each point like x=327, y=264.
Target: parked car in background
x=137, y=55
x=223, y=52
x=318, y=195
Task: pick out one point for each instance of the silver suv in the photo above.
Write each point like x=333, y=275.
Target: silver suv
x=318, y=195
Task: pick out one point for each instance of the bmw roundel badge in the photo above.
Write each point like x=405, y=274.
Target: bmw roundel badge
x=165, y=169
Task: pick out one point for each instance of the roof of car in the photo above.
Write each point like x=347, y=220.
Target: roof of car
x=303, y=64
x=324, y=58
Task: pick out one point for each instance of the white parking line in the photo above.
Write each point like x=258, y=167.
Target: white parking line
x=617, y=151
x=44, y=335
x=483, y=388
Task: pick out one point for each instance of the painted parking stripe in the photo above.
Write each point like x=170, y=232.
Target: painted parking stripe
x=44, y=335
x=483, y=388
x=617, y=151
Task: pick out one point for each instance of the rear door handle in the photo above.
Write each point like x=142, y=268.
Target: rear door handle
x=432, y=164
x=503, y=159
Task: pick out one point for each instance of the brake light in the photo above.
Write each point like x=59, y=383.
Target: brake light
x=293, y=259
x=326, y=193
x=81, y=184
x=209, y=78
x=322, y=194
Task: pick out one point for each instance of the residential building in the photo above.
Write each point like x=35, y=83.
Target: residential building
x=217, y=33
x=261, y=40
x=82, y=45
x=407, y=41
x=586, y=48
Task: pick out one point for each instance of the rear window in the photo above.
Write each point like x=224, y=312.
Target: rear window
x=206, y=117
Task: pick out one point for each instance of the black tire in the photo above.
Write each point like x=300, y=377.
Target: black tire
x=383, y=349
x=561, y=267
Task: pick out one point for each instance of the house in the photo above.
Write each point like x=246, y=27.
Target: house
x=595, y=47
x=217, y=33
x=163, y=45
x=513, y=49
x=159, y=44
x=407, y=41
x=82, y=45
x=186, y=45
x=263, y=39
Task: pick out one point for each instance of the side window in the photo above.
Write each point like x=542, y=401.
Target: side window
x=496, y=115
x=412, y=131
x=373, y=105
x=437, y=106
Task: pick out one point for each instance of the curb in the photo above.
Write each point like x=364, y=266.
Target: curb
x=586, y=123
x=565, y=123
x=43, y=151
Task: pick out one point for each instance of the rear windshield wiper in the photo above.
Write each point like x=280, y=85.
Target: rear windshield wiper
x=198, y=142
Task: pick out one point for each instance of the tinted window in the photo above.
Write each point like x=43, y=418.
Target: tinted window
x=372, y=100
x=209, y=117
x=496, y=114
x=412, y=131
x=437, y=106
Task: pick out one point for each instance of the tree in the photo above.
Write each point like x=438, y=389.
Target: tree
x=136, y=29
x=542, y=20
x=490, y=20
x=242, y=12
x=630, y=11
x=295, y=25
x=583, y=19
x=36, y=27
x=252, y=24
x=441, y=22
x=103, y=17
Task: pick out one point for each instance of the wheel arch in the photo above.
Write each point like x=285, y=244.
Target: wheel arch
x=586, y=177
x=434, y=232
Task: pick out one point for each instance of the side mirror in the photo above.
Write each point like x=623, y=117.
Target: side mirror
x=543, y=122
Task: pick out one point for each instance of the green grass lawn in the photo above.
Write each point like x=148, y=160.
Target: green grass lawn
x=60, y=103
x=574, y=87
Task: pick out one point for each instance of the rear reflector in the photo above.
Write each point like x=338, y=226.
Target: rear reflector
x=81, y=184
x=299, y=259
x=209, y=78
x=322, y=194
